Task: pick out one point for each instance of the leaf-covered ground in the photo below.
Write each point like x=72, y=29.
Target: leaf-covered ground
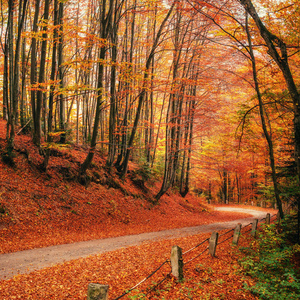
x=205, y=277
x=39, y=209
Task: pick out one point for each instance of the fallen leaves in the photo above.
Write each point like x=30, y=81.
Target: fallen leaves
x=43, y=209
x=205, y=278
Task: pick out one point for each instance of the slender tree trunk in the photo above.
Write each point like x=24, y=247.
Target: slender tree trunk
x=77, y=80
x=33, y=72
x=143, y=93
x=105, y=22
x=14, y=55
x=264, y=126
x=112, y=142
x=41, y=79
x=62, y=105
x=5, y=79
x=10, y=55
x=52, y=87
x=23, y=86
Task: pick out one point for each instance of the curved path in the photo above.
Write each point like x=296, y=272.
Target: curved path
x=27, y=261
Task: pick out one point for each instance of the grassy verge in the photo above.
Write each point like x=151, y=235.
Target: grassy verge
x=271, y=260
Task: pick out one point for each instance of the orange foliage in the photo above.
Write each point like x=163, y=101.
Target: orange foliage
x=49, y=209
x=204, y=277
x=43, y=209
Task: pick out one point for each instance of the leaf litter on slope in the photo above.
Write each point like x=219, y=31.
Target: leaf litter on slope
x=44, y=209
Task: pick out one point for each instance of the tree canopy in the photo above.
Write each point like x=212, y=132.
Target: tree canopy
x=204, y=93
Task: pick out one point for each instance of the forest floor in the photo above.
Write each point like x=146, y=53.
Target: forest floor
x=40, y=209
x=26, y=261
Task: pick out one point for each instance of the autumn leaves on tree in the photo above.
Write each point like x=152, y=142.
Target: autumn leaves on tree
x=203, y=92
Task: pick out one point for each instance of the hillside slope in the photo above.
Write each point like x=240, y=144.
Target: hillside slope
x=39, y=209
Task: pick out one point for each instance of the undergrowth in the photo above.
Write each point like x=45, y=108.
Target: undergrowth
x=269, y=261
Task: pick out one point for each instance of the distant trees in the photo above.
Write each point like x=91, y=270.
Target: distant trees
x=147, y=81
x=229, y=19
x=187, y=42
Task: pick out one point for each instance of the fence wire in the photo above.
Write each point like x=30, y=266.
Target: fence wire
x=195, y=247
x=160, y=282
x=185, y=263
x=219, y=243
x=146, y=278
x=226, y=232
x=196, y=256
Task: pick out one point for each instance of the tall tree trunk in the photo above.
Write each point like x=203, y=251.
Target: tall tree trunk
x=143, y=92
x=14, y=59
x=278, y=51
x=263, y=121
x=33, y=72
x=113, y=111
x=23, y=85
x=60, y=59
x=105, y=27
x=52, y=87
x=10, y=53
x=41, y=78
x=5, y=78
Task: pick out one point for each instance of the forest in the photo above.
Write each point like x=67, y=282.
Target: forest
x=123, y=117
x=203, y=94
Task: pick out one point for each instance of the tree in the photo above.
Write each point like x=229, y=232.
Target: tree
x=12, y=59
x=112, y=143
x=105, y=19
x=277, y=49
x=235, y=34
x=38, y=80
x=52, y=87
x=142, y=94
x=187, y=42
x=268, y=134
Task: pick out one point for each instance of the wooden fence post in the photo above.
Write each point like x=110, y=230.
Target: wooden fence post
x=213, y=242
x=177, y=262
x=97, y=291
x=236, y=234
x=268, y=217
x=254, y=227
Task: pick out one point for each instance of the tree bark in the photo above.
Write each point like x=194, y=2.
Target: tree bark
x=14, y=68
x=52, y=87
x=264, y=126
x=105, y=22
x=274, y=43
x=143, y=93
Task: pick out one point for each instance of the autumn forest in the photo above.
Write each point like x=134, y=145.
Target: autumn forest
x=202, y=93
x=123, y=117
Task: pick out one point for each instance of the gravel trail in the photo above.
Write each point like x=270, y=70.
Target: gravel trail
x=27, y=261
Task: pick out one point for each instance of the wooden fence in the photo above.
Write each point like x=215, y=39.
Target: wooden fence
x=98, y=291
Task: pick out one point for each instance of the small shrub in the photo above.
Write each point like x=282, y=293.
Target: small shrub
x=268, y=260
x=137, y=295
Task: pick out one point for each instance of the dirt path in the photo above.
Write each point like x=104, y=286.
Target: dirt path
x=27, y=261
